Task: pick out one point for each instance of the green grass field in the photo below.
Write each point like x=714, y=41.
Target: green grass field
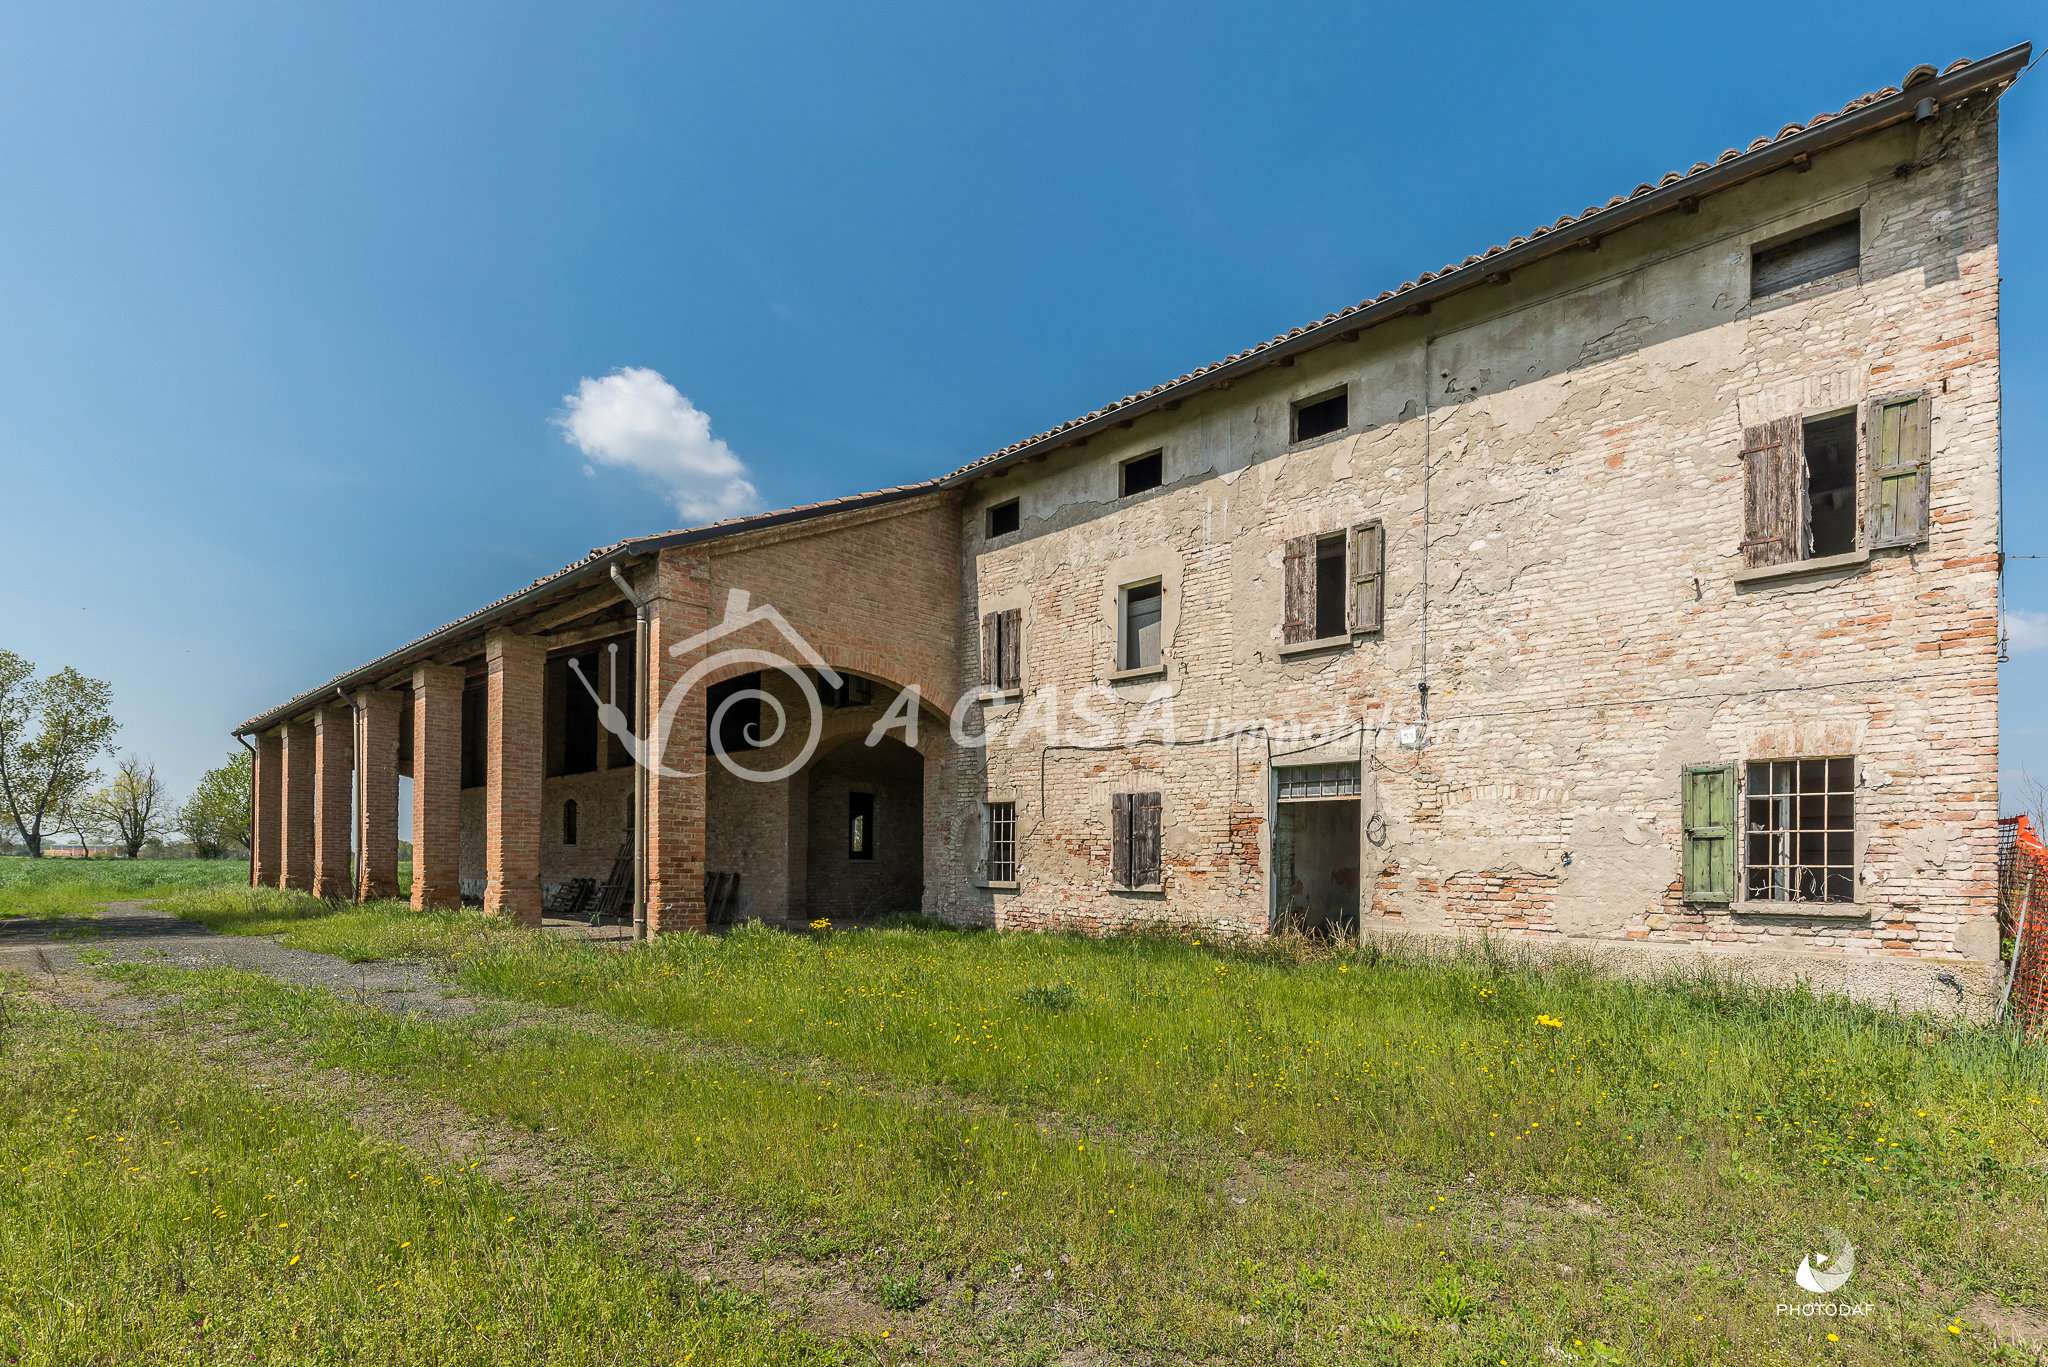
x=77, y=887
x=1044, y=1149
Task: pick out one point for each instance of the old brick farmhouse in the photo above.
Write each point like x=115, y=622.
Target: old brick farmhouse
x=1630, y=586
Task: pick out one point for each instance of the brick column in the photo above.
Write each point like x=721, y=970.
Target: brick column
x=377, y=796
x=266, y=810
x=436, y=787
x=295, y=867
x=678, y=608
x=334, y=746
x=515, y=669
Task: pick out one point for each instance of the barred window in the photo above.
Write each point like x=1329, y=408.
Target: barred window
x=1002, y=842
x=1800, y=838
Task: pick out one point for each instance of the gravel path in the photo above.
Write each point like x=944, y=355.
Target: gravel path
x=137, y=931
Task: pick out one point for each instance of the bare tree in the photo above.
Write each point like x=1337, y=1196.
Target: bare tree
x=52, y=734
x=133, y=807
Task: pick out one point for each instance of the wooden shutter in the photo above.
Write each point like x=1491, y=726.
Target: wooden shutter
x=989, y=658
x=1897, y=436
x=1009, y=662
x=1120, y=839
x=1774, y=492
x=1368, y=574
x=1708, y=800
x=1298, y=591
x=1144, y=842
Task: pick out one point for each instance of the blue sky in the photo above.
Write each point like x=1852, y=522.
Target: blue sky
x=290, y=299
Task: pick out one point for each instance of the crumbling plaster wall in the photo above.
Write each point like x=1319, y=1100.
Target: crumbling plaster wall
x=1584, y=635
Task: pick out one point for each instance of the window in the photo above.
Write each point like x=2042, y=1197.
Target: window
x=1004, y=518
x=732, y=714
x=1321, y=416
x=1830, y=445
x=1813, y=255
x=860, y=825
x=851, y=690
x=569, y=822
x=1331, y=584
x=1134, y=840
x=1002, y=842
x=1138, y=635
x=1002, y=660
x=1800, y=836
x=1143, y=472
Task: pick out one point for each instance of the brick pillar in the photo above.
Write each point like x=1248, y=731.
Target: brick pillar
x=377, y=796
x=334, y=747
x=515, y=668
x=436, y=787
x=678, y=608
x=295, y=867
x=266, y=810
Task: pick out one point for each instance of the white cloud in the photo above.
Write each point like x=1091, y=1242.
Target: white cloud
x=2025, y=631
x=635, y=420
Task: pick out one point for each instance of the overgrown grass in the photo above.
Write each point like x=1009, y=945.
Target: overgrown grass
x=1098, y=1109
x=78, y=887
x=157, y=1212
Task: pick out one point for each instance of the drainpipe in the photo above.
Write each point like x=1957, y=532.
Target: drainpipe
x=243, y=741
x=639, y=833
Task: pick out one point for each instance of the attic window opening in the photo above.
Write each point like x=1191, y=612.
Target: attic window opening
x=1320, y=417
x=1004, y=518
x=1831, y=484
x=1811, y=256
x=1143, y=472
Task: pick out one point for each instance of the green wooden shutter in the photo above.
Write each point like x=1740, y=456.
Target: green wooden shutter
x=1897, y=438
x=1368, y=574
x=1709, y=812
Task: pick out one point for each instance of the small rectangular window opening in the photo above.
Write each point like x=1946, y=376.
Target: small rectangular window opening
x=1330, y=586
x=860, y=825
x=1831, y=485
x=1811, y=256
x=1002, y=842
x=1800, y=833
x=1139, y=647
x=1003, y=518
x=1143, y=472
x=1319, y=417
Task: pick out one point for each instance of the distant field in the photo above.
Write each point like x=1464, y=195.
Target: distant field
x=77, y=887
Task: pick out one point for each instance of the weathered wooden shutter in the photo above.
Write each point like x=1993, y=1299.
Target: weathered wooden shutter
x=1368, y=574
x=1298, y=590
x=1897, y=437
x=990, y=661
x=1774, y=492
x=1009, y=663
x=1120, y=839
x=1708, y=801
x=1144, y=843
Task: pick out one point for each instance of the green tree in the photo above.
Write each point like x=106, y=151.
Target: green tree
x=216, y=817
x=53, y=732
x=133, y=808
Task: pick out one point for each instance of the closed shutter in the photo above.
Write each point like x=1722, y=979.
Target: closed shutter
x=1897, y=437
x=1120, y=839
x=990, y=661
x=1368, y=574
x=1298, y=590
x=1774, y=492
x=1009, y=662
x=1144, y=871
x=1708, y=800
